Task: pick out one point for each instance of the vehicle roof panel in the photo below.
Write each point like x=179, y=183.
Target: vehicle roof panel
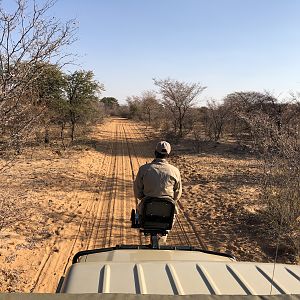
x=182, y=278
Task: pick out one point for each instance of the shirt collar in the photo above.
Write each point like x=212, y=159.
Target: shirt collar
x=163, y=160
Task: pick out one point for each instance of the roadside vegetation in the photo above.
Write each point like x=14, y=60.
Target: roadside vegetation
x=40, y=101
x=254, y=123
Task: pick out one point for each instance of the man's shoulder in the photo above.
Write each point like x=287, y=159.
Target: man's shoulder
x=145, y=166
x=171, y=167
x=159, y=164
x=174, y=168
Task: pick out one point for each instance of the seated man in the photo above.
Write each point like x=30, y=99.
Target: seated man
x=158, y=178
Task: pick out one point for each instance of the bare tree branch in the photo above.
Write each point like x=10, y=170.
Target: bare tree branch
x=178, y=97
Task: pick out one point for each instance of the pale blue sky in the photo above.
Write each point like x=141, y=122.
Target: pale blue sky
x=227, y=45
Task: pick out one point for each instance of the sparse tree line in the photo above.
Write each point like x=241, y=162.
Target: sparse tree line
x=54, y=99
x=174, y=107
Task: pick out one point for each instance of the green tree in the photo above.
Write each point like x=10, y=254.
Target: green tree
x=110, y=105
x=110, y=101
x=49, y=89
x=82, y=93
x=134, y=107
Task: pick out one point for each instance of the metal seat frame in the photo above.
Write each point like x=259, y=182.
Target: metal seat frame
x=154, y=230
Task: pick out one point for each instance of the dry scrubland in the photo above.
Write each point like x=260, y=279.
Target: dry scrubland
x=54, y=203
x=221, y=196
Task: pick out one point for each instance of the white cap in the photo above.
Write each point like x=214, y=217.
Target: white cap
x=163, y=147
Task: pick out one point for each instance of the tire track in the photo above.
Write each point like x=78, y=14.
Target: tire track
x=98, y=196
x=105, y=222
x=131, y=236
x=133, y=176
x=92, y=210
x=95, y=240
x=136, y=161
x=113, y=200
x=123, y=199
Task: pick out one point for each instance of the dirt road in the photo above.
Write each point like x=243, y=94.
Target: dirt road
x=85, y=205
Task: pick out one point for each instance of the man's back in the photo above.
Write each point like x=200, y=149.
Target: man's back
x=158, y=179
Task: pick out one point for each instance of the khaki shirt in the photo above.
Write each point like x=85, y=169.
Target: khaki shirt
x=158, y=179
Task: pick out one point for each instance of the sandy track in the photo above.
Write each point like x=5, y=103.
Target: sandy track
x=99, y=215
